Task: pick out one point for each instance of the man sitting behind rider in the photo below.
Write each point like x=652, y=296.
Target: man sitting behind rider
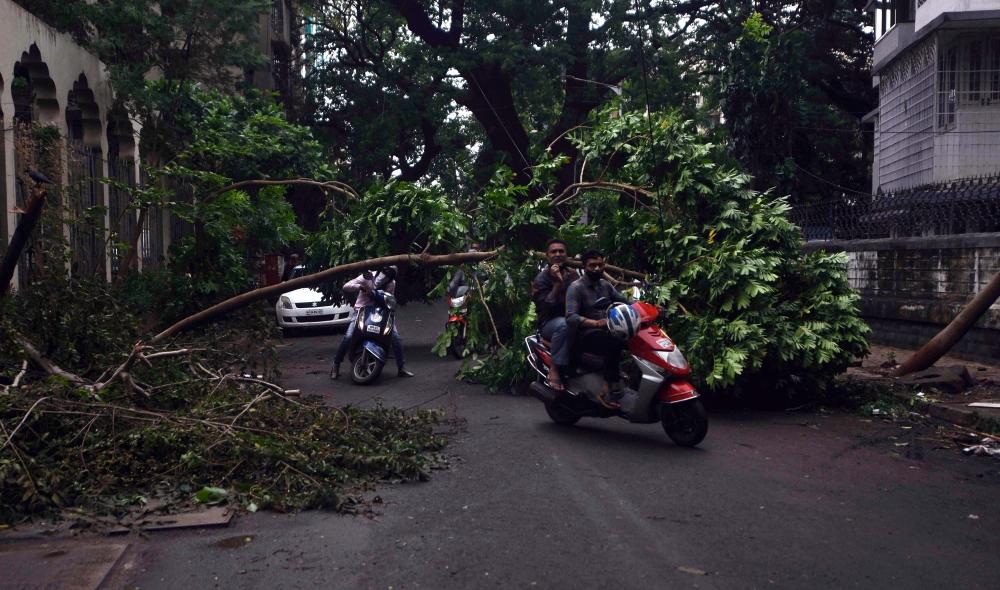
x=459, y=279
x=384, y=280
x=588, y=321
x=548, y=291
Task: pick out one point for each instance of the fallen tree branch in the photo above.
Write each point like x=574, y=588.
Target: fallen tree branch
x=608, y=267
x=940, y=344
x=482, y=297
x=20, y=375
x=29, y=219
x=629, y=189
x=10, y=435
x=244, y=299
x=47, y=365
x=330, y=185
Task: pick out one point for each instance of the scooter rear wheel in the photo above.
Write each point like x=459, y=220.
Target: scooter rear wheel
x=560, y=414
x=685, y=423
x=366, y=368
x=457, y=347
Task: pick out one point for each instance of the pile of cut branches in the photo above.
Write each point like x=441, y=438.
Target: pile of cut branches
x=199, y=413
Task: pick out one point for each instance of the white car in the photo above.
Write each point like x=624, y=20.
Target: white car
x=306, y=308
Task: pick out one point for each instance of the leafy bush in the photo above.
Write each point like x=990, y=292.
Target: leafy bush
x=747, y=304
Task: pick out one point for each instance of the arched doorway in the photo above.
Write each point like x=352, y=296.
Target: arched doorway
x=121, y=169
x=36, y=146
x=4, y=206
x=84, y=190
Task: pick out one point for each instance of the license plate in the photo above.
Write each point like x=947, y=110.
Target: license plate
x=374, y=329
x=314, y=312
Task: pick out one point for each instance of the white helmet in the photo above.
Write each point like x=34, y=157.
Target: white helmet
x=623, y=321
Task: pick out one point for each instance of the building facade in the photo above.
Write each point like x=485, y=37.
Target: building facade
x=936, y=65
x=48, y=81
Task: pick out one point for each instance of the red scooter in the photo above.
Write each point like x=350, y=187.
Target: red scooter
x=658, y=387
x=458, y=321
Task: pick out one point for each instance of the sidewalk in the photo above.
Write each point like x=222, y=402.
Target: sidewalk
x=940, y=390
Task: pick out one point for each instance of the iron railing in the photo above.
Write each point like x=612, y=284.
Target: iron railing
x=966, y=206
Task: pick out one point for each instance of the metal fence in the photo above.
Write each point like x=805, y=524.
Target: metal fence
x=87, y=201
x=121, y=217
x=966, y=206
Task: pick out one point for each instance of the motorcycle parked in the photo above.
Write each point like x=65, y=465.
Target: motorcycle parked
x=658, y=387
x=458, y=321
x=372, y=338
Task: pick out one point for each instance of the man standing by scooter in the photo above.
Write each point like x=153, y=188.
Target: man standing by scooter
x=587, y=302
x=385, y=281
x=548, y=291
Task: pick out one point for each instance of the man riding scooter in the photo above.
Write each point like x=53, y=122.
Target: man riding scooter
x=587, y=302
x=363, y=286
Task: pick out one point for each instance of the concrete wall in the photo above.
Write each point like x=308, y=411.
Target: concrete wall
x=913, y=287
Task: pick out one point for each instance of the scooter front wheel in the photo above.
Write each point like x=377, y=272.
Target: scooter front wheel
x=457, y=347
x=366, y=368
x=685, y=423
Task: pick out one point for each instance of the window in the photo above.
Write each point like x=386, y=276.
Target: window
x=947, y=87
x=975, y=72
x=995, y=70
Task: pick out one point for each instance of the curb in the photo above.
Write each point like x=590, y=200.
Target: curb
x=960, y=417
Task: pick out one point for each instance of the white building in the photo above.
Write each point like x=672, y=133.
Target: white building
x=937, y=69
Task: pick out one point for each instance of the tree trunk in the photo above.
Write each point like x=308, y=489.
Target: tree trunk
x=32, y=213
x=939, y=345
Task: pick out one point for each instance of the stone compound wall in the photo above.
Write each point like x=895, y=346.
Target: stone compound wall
x=912, y=287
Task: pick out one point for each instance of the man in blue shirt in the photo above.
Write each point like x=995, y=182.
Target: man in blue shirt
x=587, y=302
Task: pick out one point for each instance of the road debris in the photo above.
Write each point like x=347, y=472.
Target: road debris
x=988, y=446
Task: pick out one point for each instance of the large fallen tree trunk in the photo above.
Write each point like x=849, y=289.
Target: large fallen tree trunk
x=249, y=297
x=29, y=219
x=940, y=344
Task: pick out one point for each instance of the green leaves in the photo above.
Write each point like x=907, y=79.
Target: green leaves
x=210, y=495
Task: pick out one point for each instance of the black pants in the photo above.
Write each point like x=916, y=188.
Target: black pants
x=602, y=343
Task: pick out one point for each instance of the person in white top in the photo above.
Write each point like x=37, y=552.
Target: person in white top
x=386, y=281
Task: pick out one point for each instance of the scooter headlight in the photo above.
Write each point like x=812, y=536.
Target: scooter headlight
x=286, y=302
x=674, y=358
x=458, y=301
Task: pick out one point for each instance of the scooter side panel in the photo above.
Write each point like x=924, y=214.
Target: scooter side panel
x=650, y=382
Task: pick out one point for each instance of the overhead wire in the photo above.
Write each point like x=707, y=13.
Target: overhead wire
x=524, y=159
x=649, y=115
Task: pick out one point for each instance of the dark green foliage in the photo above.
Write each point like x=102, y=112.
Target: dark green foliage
x=106, y=452
x=793, y=92
x=750, y=309
x=748, y=306
x=391, y=218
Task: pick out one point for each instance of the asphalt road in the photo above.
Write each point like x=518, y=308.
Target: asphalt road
x=782, y=500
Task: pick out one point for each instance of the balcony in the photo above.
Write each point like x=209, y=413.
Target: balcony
x=931, y=13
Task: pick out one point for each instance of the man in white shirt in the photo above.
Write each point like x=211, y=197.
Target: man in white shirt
x=385, y=281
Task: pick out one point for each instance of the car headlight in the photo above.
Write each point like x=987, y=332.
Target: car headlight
x=286, y=302
x=674, y=358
